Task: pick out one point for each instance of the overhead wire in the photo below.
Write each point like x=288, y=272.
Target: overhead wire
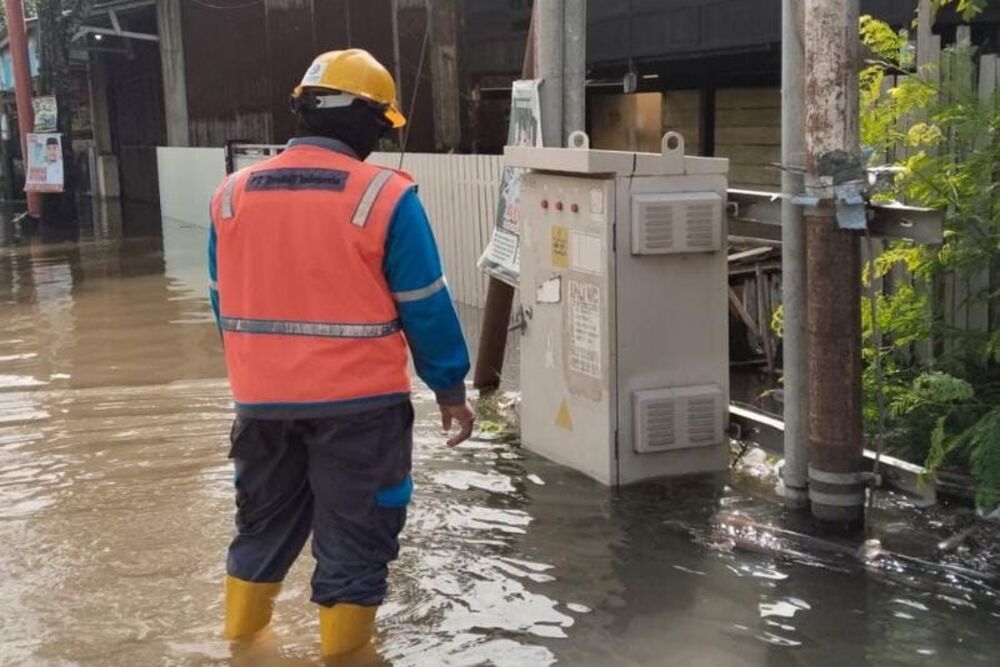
x=416, y=84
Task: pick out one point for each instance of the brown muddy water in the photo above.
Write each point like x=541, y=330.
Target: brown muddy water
x=116, y=500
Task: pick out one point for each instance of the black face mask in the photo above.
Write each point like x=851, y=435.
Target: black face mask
x=359, y=125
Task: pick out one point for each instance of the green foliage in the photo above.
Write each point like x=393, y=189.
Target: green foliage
x=967, y=8
x=30, y=10
x=946, y=142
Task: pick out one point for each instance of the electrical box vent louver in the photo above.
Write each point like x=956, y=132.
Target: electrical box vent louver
x=681, y=222
x=677, y=418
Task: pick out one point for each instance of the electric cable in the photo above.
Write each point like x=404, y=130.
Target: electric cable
x=416, y=85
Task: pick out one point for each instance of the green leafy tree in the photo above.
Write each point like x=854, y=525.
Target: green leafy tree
x=967, y=8
x=945, y=142
x=30, y=10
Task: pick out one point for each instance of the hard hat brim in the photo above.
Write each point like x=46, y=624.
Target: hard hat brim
x=395, y=117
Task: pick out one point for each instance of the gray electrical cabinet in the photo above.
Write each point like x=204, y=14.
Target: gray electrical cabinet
x=624, y=295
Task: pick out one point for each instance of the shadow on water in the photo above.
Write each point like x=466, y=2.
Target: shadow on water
x=116, y=500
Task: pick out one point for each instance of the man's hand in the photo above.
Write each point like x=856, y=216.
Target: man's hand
x=464, y=415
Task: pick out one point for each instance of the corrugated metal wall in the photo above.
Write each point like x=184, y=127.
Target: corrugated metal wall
x=243, y=59
x=460, y=194
x=135, y=101
x=226, y=66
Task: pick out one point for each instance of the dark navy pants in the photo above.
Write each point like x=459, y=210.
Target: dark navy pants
x=346, y=479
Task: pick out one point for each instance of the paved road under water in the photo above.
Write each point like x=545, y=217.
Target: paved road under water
x=116, y=500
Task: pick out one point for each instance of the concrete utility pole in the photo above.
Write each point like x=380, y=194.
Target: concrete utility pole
x=793, y=257
x=549, y=64
x=836, y=480
x=443, y=15
x=18, y=36
x=169, y=26
x=556, y=52
x=574, y=66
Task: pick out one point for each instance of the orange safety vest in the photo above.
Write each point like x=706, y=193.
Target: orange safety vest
x=306, y=313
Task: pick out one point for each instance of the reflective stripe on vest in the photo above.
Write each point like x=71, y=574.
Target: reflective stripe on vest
x=360, y=218
x=325, y=329
x=227, y=198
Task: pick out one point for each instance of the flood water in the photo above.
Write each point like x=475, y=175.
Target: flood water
x=116, y=507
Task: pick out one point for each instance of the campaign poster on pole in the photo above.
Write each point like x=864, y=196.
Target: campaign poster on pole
x=46, y=114
x=502, y=256
x=45, y=163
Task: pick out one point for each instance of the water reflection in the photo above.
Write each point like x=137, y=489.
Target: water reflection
x=115, y=500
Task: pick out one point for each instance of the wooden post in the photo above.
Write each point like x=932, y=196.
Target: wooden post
x=499, y=295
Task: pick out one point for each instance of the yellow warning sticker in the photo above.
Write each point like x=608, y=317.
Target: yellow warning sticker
x=563, y=418
x=560, y=247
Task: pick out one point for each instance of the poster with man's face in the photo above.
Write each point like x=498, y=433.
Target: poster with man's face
x=45, y=163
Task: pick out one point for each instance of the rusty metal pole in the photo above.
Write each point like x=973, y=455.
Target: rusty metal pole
x=836, y=462
x=18, y=36
x=499, y=295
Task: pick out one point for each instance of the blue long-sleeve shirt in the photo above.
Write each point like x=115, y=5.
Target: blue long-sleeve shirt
x=413, y=271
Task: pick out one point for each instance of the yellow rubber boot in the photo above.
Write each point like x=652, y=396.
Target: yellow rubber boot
x=345, y=628
x=248, y=607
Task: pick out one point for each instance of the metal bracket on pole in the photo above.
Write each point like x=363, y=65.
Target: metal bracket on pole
x=758, y=215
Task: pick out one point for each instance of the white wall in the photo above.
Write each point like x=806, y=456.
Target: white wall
x=459, y=192
x=188, y=177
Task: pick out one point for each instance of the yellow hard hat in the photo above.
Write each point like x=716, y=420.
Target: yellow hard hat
x=355, y=72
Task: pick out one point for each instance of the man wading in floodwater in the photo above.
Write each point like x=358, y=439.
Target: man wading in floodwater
x=324, y=270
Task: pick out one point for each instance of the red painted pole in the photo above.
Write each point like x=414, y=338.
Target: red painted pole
x=22, y=87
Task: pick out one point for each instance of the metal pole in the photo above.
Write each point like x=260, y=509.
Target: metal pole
x=793, y=257
x=574, y=66
x=22, y=88
x=836, y=459
x=549, y=60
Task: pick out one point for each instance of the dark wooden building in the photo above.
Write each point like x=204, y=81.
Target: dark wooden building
x=708, y=68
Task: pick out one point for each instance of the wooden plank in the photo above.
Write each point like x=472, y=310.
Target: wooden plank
x=750, y=254
x=474, y=223
x=757, y=155
x=462, y=224
x=738, y=309
x=459, y=208
x=770, y=117
x=979, y=281
x=760, y=136
x=449, y=202
x=753, y=176
x=490, y=184
x=988, y=76
x=469, y=225
x=748, y=98
x=682, y=100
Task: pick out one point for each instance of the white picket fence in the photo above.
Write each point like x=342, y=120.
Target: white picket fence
x=460, y=194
